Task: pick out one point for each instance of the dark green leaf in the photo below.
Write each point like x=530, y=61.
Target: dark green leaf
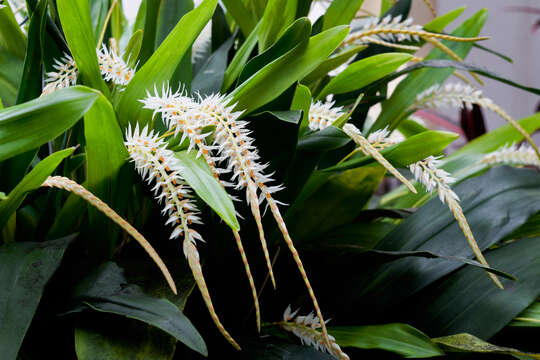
x=12, y=39
x=209, y=79
x=530, y=317
x=77, y=26
x=239, y=60
x=10, y=74
x=106, y=290
x=26, y=126
x=402, y=339
x=32, y=181
x=327, y=139
x=151, y=10
x=26, y=269
x=283, y=351
x=170, y=12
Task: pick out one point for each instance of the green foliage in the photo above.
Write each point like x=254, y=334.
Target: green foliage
x=392, y=268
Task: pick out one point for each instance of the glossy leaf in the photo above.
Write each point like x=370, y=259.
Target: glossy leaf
x=170, y=12
x=472, y=344
x=332, y=63
x=242, y=16
x=283, y=351
x=12, y=39
x=494, y=205
x=329, y=138
x=272, y=80
x=405, y=93
x=239, y=60
x=364, y=72
x=163, y=63
x=278, y=14
x=415, y=148
x=199, y=176
x=133, y=48
x=10, y=74
x=32, y=181
x=302, y=101
x=438, y=24
x=107, y=290
x=530, y=317
x=26, y=126
x=340, y=12
x=151, y=10
x=401, y=339
x=77, y=26
x=209, y=79
x=26, y=269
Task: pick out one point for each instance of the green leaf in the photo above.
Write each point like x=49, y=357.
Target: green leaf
x=133, y=48
x=12, y=39
x=329, y=138
x=470, y=301
x=163, y=63
x=30, y=84
x=415, y=148
x=332, y=63
x=404, y=95
x=209, y=79
x=340, y=12
x=98, y=13
x=170, y=12
x=199, y=176
x=242, y=16
x=276, y=77
x=530, y=317
x=283, y=351
x=27, y=126
x=113, y=338
x=107, y=290
x=278, y=14
x=401, y=339
x=437, y=25
x=302, y=101
x=239, y=60
x=297, y=32
x=472, y=344
x=77, y=25
x=10, y=75
x=494, y=205
x=151, y=10
x=364, y=72
x=26, y=269
x=32, y=181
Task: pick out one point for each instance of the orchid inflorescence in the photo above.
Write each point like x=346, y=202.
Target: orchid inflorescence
x=458, y=95
x=232, y=150
x=512, y=155
x=428, y=173
x=111, y=65
x=306, y=328
x=323, y=114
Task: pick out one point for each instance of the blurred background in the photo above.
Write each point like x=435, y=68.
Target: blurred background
x=511, y=28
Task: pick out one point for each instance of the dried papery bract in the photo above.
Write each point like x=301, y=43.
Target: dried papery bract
x=369, y=150
x=234, y=143
x=390, y=30
x=174, y=108
x=157, y=164
x=458, y=95
x=427, y=173
x=512, y=155
x=71, y=186
x=306, y=328
x=323, y=114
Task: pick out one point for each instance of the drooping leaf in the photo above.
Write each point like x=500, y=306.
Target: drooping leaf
x=467, y=301
x=163, y=63
x=26, y=126
x=32, y=181
x=199, y=176
x=494, y=205
x=472, y=344
x=77, y=26
x=107, y=290
x=276, y=77
x=26, y=269
x=402, y=339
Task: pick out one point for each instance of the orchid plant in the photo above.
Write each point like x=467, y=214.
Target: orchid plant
x=211, y=130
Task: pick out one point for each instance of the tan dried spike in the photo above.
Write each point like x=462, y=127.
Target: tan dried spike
x=64, y=183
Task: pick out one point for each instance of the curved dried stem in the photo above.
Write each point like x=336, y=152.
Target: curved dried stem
x=71, y=186
x=431, y=8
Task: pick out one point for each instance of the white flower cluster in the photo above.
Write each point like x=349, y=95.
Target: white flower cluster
x=513, y=155
x=455, y=95
x=305, y=327
x=386, y=30
x=428, y=173
x=323, y=114
x=65, y=75
x=381, y=139
x=155, y=163
x=112, y=67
